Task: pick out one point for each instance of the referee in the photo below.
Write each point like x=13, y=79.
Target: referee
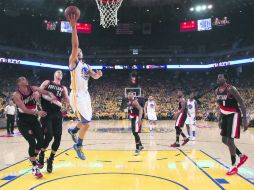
x=10, y=112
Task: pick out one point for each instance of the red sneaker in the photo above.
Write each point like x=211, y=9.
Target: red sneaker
x=175, y=145
x=242, y=161
x=36, y=172
x=233, y=171
x=39, y=165
x=185, y=141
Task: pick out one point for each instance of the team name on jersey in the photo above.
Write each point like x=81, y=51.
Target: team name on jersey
x=28, y=99
x=85, y=72
x=222, y=97
x=53, y=87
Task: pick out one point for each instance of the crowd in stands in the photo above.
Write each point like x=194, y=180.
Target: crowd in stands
x=108, y=93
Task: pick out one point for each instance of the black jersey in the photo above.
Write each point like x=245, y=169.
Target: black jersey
x=57, y=90
x=227, y=103
x=132, y=110
x=28, y=100
x=180, y=106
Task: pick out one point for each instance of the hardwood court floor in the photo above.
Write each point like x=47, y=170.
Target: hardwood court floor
x=110, y=162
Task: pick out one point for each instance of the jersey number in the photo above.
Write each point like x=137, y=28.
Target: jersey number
x=59, y=93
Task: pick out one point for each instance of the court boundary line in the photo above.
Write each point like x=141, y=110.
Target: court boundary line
x=112, y=173
x=4, y=168
x=210, y=177
x=27, y=171
x=227, y=167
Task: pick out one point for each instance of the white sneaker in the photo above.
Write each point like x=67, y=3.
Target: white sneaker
x=193, y=138
x=137, y=152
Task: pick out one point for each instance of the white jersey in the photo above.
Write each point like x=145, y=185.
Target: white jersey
x=150, y=106
x=80, y=100
x=191, y=106
x=80, y=76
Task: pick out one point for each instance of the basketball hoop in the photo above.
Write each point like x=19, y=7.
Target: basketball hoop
x=108, y=12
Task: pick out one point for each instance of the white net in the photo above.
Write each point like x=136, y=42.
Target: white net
x=108, y=12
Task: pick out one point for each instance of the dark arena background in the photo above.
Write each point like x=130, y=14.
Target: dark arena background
x=188, y=64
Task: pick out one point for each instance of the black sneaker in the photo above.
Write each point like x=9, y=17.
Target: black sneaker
x=49, y=166
x=141, y=147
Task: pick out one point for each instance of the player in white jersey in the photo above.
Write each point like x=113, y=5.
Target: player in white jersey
x=79, y=97
x=191, y=116
x=150, y=112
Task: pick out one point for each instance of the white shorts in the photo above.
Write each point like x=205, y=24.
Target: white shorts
x=152, y=116
x=190, y=120
x=81, y=105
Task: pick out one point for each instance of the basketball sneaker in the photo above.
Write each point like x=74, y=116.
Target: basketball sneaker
x=136, y=152
x=49, y=166
x=73, y=135
x=243, y=159
x=39, y=165
x=36, y=172
x=141, y=147
x=185, y=141
x=193, y=138
x=175, y=145
x=41, y=160
x=79, y=152
x=233, y=171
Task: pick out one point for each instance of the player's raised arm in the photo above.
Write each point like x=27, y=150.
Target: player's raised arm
x=74, y=41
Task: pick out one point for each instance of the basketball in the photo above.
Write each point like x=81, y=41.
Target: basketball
x=72, y=10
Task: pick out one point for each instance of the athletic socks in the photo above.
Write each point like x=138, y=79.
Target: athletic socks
x=183, y=135
x=177, y=139
x=233, y=160
x=80, y=142
x=137, y=146
x=188, y=131
x=194, y=133
x=75, y=130
x=34, y=163
x=239, y=153
x=51, y=157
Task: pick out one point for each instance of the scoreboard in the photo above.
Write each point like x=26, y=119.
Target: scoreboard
x=196, y=25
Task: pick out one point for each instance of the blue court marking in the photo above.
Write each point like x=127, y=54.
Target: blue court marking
x=201, y=169
x=111, y=173
x=28, y=170
x=10, y=177
x=222, y=181
x=225, y=166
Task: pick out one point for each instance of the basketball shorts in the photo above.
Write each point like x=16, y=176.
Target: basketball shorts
x=191, y=120
x=30, y=129
x=181, y=120
x=152, y=116
x=52, y=123
x=80, y=102
x=230, y=125
x=135, y=127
